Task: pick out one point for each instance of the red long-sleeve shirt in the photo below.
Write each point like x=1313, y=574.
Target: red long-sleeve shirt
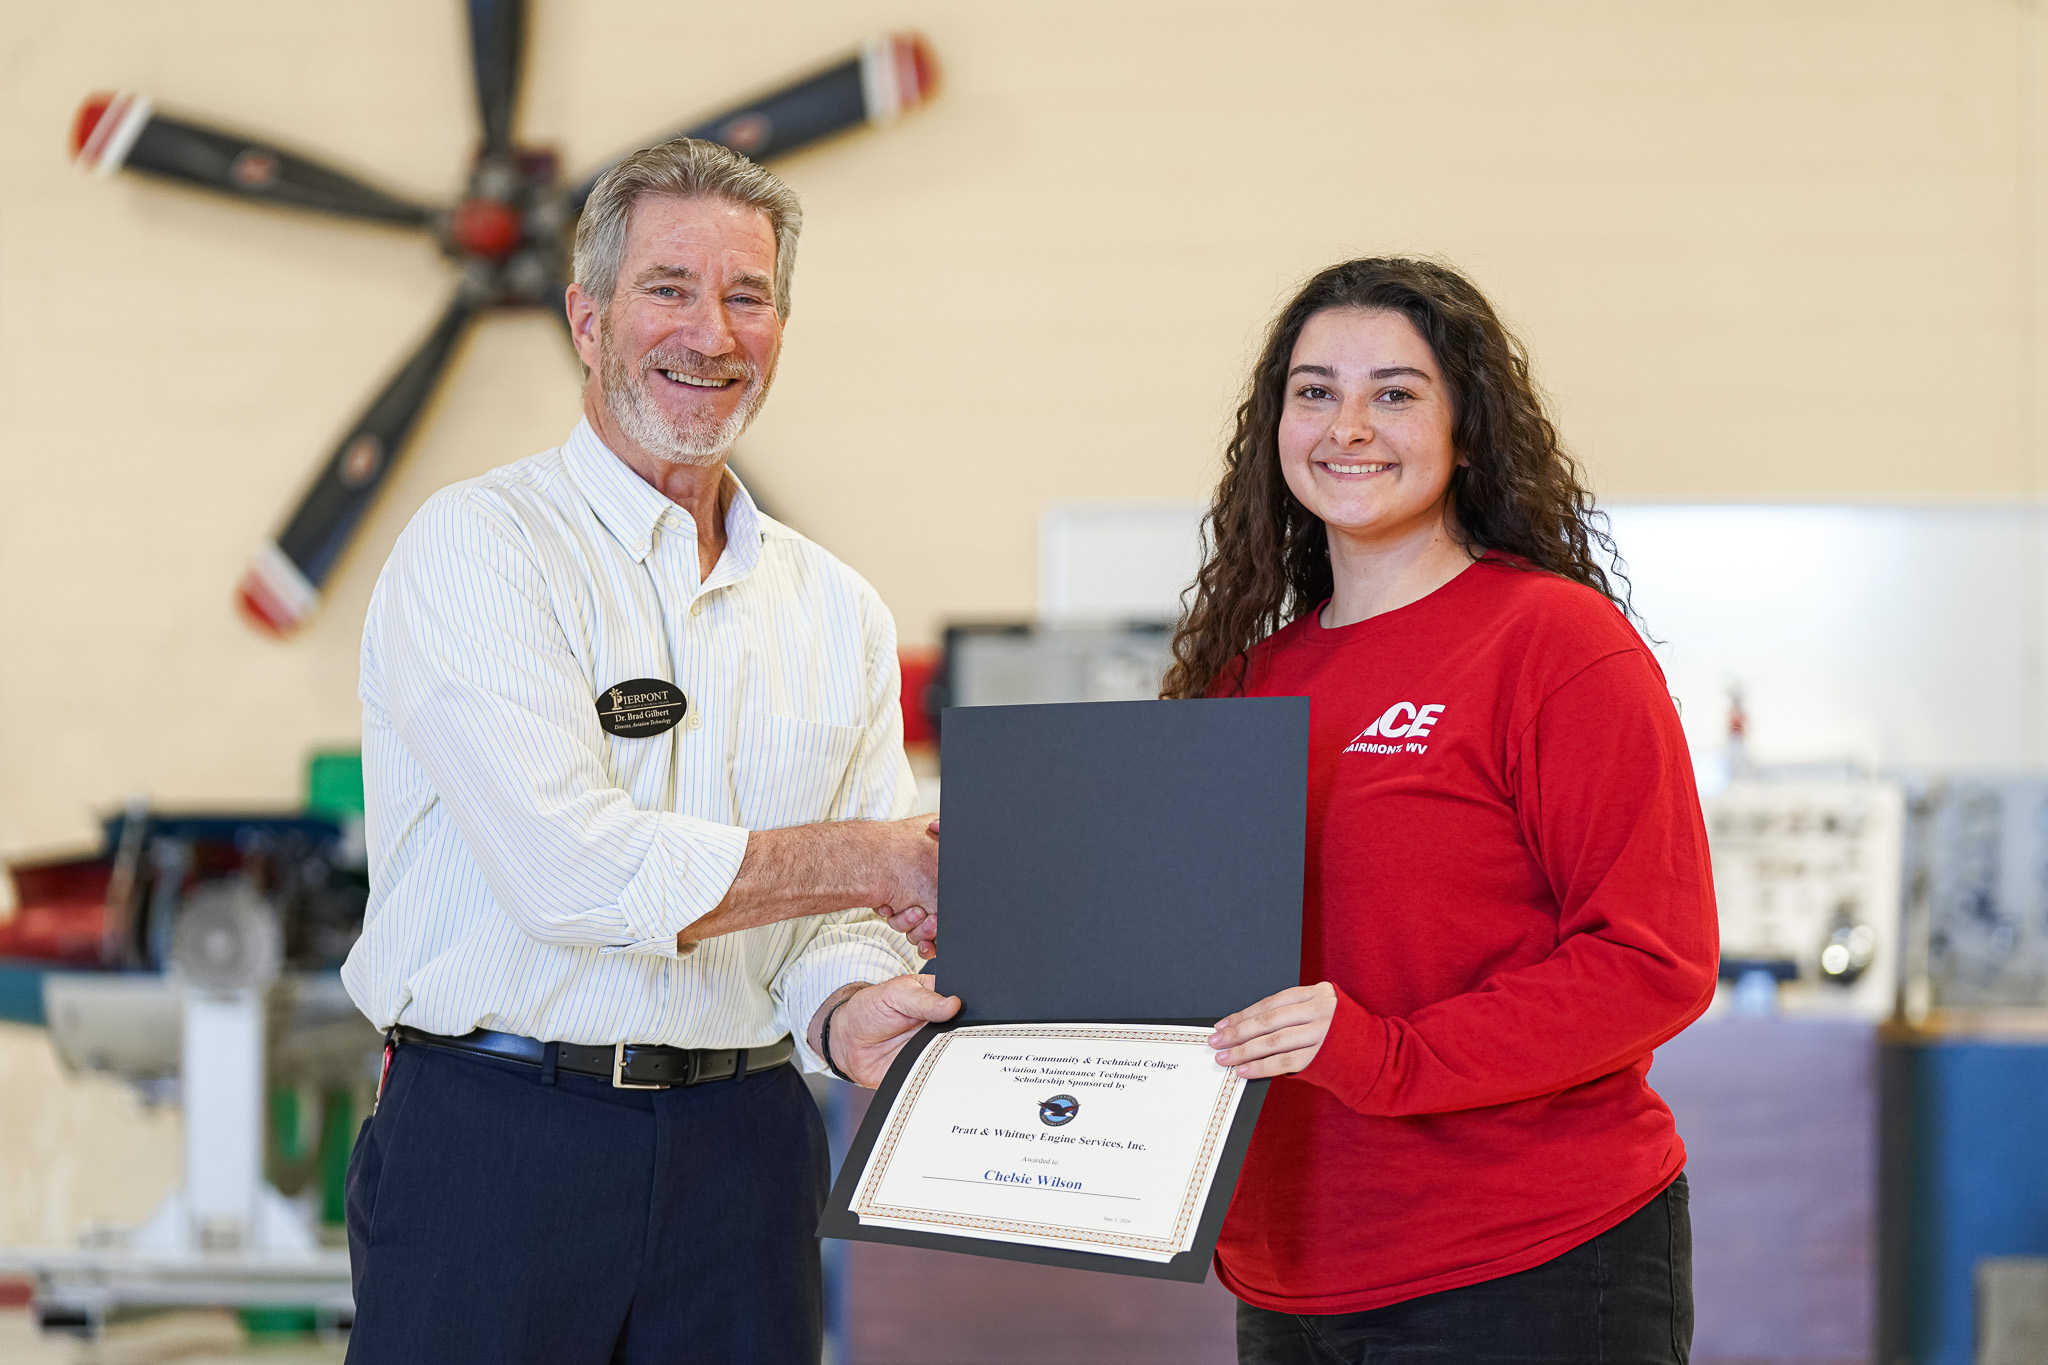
x=1508, y=884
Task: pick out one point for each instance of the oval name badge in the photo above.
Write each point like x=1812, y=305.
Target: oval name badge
x=640, y=707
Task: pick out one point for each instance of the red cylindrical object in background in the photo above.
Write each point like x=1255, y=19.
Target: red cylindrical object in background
x=920, y=670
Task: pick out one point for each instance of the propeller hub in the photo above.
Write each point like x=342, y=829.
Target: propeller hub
x=488, y=228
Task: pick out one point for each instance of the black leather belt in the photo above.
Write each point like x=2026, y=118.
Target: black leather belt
x=628, y=1066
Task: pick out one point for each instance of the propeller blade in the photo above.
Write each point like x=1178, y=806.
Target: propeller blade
x=283, y=583
x=890, y=73
x=124, y=132
x=497, y=48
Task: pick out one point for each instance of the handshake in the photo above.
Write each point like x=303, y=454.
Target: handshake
x=888, y=866
x=906, y=882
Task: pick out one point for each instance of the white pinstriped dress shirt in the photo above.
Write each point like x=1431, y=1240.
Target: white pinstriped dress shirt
x=529, y=871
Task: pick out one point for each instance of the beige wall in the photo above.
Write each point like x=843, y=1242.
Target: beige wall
x=1759, y=250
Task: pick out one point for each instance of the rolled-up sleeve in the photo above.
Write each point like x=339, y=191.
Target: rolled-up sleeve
x=482, y=686
x=853, y=945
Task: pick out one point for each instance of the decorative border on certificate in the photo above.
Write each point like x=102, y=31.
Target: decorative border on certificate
x=866, y=1206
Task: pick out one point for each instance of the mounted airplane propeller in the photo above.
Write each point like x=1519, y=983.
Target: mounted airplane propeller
x=509, y=235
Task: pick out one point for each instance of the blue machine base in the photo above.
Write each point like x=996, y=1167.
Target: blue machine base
x=1965, y=1157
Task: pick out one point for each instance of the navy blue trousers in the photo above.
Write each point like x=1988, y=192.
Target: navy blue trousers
x=1624, y=1298
x=499, y=1220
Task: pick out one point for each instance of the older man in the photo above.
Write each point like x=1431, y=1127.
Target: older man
x=636, y=815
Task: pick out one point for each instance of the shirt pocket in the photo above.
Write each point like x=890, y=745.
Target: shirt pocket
x=788, y=770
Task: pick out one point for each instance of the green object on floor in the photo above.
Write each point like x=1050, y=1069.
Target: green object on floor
x=276, y=1322
x=285, y=1125
x=336, y=1142
x=334, y=782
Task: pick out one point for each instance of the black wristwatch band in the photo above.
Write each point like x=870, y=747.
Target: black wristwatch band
x=825, y=1043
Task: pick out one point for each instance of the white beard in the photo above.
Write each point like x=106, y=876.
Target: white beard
x=654, y=430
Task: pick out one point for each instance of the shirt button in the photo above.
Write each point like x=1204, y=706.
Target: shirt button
x=697, y=607
x=696, y=720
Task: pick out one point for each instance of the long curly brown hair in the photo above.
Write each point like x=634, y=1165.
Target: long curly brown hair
x=1266, y=557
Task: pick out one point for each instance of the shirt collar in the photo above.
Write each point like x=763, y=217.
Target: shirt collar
x=631, y=510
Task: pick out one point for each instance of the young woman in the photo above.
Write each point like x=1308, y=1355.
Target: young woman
x=1508, y=902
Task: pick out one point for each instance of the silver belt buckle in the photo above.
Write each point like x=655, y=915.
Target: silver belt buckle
x=619, y=1081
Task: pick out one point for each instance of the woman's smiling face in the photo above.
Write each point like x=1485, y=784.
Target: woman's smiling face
x=1365, y=427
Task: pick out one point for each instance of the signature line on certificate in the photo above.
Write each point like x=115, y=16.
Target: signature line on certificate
x=1035, y=1189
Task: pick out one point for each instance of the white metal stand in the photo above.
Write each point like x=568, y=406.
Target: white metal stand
x=225, y=1238
x=225, y=1203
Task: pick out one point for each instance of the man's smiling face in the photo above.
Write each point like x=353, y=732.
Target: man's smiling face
x=687, y=346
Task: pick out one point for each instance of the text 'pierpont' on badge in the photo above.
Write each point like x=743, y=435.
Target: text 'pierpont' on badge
x=640, y=707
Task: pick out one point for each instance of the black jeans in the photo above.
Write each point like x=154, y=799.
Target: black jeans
x=1624, y=1298
x=497, y=1220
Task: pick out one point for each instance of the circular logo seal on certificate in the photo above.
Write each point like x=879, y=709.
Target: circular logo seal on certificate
x=1058, y=1110
x=640, y=707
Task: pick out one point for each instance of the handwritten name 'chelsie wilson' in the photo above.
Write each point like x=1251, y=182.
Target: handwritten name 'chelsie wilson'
x=1014, y=1178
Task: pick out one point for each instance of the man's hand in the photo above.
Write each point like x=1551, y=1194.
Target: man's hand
x=1279, y=1035
x=889, y=866
x=874, y=1023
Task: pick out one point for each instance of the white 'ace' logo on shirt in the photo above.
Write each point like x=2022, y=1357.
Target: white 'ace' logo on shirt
x=1404, y=720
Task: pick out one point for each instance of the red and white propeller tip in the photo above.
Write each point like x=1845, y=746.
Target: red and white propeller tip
x=897, y=73
x=106, y=128
x=274, y=596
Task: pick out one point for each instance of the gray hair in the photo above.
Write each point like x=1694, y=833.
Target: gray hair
x=687, y=168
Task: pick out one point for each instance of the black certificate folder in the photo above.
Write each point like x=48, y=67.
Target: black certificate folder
x=1127, y=862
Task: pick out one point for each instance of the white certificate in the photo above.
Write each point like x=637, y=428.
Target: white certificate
x=1089, y=1137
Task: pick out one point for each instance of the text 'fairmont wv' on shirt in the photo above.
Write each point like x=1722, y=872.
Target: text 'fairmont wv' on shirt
x=1508, y=884
x=530, y=871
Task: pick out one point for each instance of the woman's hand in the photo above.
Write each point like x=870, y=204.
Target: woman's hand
x=1279, y=1035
